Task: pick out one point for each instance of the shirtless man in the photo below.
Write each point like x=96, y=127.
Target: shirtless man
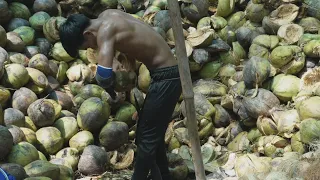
x=113, y=31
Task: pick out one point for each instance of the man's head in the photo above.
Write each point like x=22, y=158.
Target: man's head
x=74, y=34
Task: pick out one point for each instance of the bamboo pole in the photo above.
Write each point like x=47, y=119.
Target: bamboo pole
x=187, y=89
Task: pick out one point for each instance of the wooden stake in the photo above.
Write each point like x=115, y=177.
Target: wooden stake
x=187, y=88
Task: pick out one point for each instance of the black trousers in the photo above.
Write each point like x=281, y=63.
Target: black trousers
x=154, y=117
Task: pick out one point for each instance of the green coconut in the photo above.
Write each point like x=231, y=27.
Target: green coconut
x=71, y=155
x=313, y=9
x=38, y=19
x=218, y=22
x=258, y=51
x=41, y=63
x=27, y=34
x=42, y=168
x=227, y=34
x=17, y=134
x=309, y=130
x=296, y=143
x=15, y=170
x=93, y=160
x=239, y=143
x=14, y=117
x=237, y=19
x=131, y=6
x=1, y=116
x=60, y=161
x=66, y=173
x=61, y=74
x=48, y=6
x=235, y=56
x=49, y=139
x=310, y=24
x=57, y=107
x=19, y=10
x=144, y=78
x=3, y=37
x=23, y=153
x=81, y=140
x=80, y=72
x=42, y=113
x=225, y=7
x=311, y=49
x=256, y=12
x=254, y=134
x=125, y=113
x=256, y=71
x=210, y=70
x=30, y=135
x=18, y=58
x=93, y=114
x=6, y=142
x=5, y=12
x=221, y=117
x=203, y=22
x=44, y=46
x=51, y=32
x=67, y=126
x=14, y=42
x=30, y=124
x=285, y=87
x=113, y=135
x=267, y=126
x=309, y=108
x=63, y=99
x=15, y=23
x=59, y=53
x=177, y=167
x=226, y=72
x=282, y=55
x=5, y=95
x=15, y=76
x=31, y=51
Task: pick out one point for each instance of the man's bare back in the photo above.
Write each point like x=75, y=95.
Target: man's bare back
x=134, y=38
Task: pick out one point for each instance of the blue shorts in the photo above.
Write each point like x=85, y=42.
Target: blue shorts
x=5, y=176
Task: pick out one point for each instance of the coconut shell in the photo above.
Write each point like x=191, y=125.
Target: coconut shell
x=81, y=140
x=309, y=130
x=42, y=168
x=111, y=130
x=23, y=153
x=49, y=139
x=15, y=170
x=290, y=33
x=93, y=160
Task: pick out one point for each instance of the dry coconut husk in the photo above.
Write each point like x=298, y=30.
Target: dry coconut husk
x=310, y=78
x=122, y=160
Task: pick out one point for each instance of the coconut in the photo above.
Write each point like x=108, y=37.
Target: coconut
x=44, y=45
x=51, y=32
x=261, y=104
x=67, y=126
x=14, y=23
x=227, y=34
x=71, y=155
x=13, y=117
x=144, y=78
x=19, y=10
x=313, y=9
x=38, y=19
x=61, y=161
x=14, y=42
x=57, y=107
x=50, y=140
x=286, y=121
x=210, y=70
x=136, y=93
x=66, y=113
x=30, y=135
x=15, y=76
x=221, y=117
x=23, y=153
x=309, y=108
x=236, y=20
x=5, y=12
x=271, y=146
x=110, y=131
x=63, y=99
x=124, y=81
x=42, y=113
x=203, y=22
x=81, y=140
x=6, y=141
x=17, y=134
x=22, y=99
x=15, y=170
x=253, y=135
x=258, y=51
x=290, y=33
x=18, y=58
x=173, y=144
x=1, y=116
x=61, y=75
x=256, y=12
x=225, y=8
x=310, y=24
x=201, y=38
x=80, y=72
x=177, y=167
x=3, y=37
x=48, y=6
x=93, y=160
x=245, y=36
x=122, y=160
x=26, y=33
x=131, y=6
x=125, y=113
x=31, y=51
x=53, y=83
x=88, y=118
x=282, y=55
x=40, y=62
x=209, y=88
x=309, y=130
x=285, y=87
x=5, y=95
x=311, y=49
x=267, y=126
x=235, y=56
x=37, y=77
x=42, y=168
x=256, y=71
x=42, y=156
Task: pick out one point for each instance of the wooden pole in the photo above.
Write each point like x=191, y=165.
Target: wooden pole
x=187, y=88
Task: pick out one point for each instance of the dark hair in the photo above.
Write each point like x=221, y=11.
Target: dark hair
x=71, y=33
